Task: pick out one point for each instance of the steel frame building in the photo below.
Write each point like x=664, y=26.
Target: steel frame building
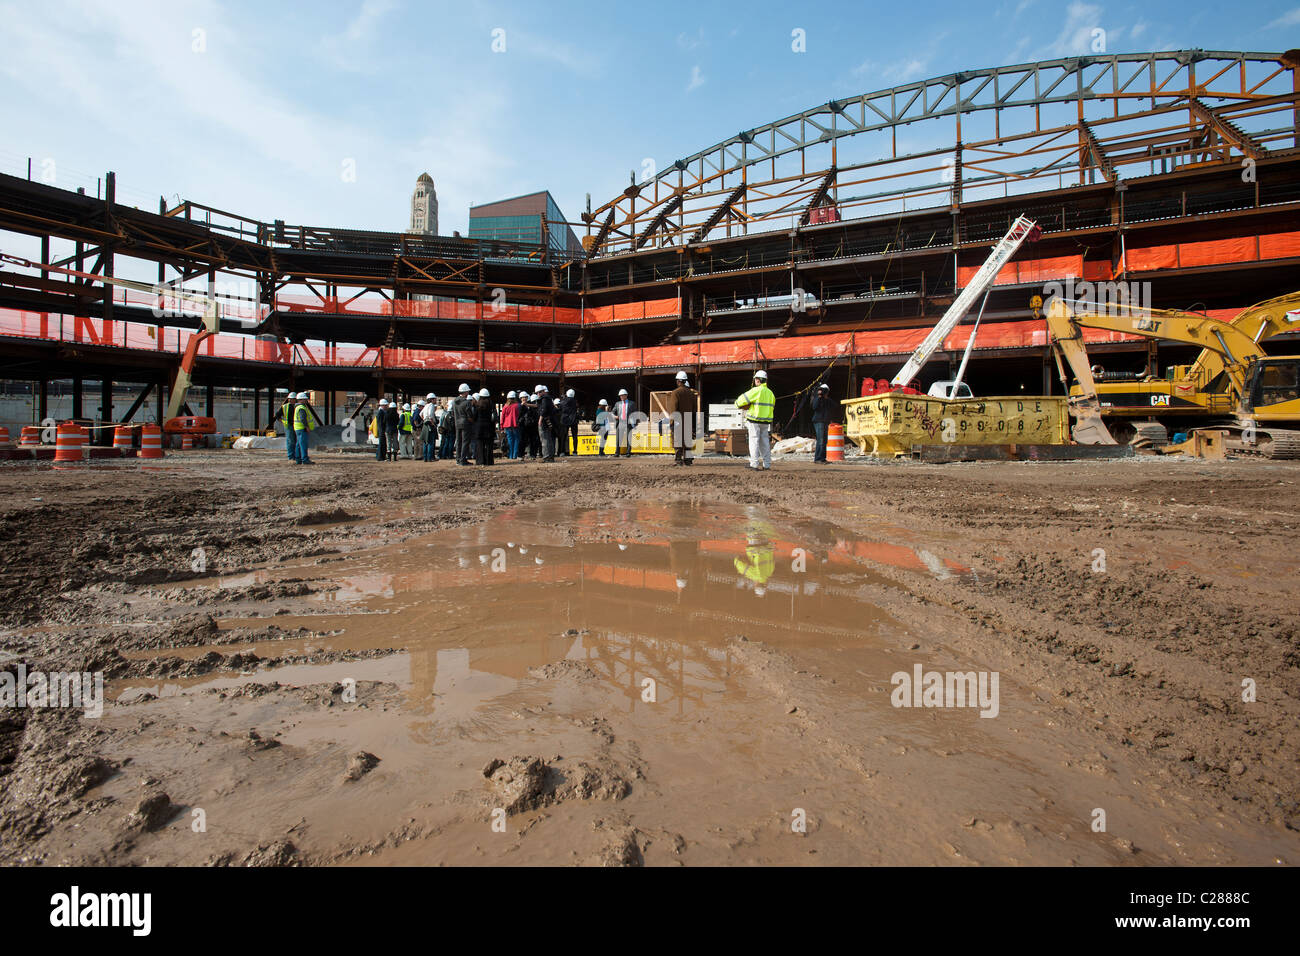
x=830, y=239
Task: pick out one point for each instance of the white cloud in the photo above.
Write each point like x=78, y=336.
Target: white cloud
x=698, y=79
x=1289, y=19
x=687, y=42
x=351, y=50
x=1078, y=35
x=892, y=74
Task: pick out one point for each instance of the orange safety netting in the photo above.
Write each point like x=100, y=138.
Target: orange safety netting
x=820, y=348
x=1028, y=270
x=1243, y=249
x=1279, y=245
x=521, y=362
x=666, y=355
x=1098, y=271
x=1147, y=258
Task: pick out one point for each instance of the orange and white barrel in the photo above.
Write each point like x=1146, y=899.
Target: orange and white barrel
x=4, y=436
x=187, y=442
x=151, y=441
x=122, y=437
x=69, y=442
x=31, y=436
x=835, y=442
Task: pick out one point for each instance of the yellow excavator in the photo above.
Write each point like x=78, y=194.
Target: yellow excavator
x=1233, y=387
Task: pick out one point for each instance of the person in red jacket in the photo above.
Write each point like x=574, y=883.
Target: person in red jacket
x=510, y=424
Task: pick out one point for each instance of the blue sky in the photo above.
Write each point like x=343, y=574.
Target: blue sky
x=268, y=106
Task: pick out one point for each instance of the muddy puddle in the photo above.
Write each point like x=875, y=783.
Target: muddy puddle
x=653, y=591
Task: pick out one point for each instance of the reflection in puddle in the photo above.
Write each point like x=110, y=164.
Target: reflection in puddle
x=652, y=590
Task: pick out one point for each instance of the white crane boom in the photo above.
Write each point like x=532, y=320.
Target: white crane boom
x=1021, y=230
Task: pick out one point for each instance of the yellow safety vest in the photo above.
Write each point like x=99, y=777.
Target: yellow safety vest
x=302, y=419
x=406, y=422
x=758, y=403
x=761, y=566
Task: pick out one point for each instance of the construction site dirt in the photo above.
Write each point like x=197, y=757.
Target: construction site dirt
x=625, y=663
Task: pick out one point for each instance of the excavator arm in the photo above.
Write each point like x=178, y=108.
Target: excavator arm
x=1261, y=321
x=180, y=386
x=1233, y=348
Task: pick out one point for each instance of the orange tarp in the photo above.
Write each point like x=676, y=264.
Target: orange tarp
x=1057, y=267
x=1152, y=257
x=1099, y=271
x=1210, y=253
x=1279, y=245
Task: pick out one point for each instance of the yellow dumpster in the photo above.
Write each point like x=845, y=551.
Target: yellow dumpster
x=891, y=424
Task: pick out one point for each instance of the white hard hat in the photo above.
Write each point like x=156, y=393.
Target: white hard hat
x=622, y=391
x=602, y=402
x=761, y=374
x=463, y=387
x=430, y=397
x=539, y=389
x=569, y=393
x=532, y=398
x=419, y=401
x=302, y=396
x=825, y=386
x=406, y=407
x=681, y=376
x=383, y=402
x=511, y=395
x=484, y=393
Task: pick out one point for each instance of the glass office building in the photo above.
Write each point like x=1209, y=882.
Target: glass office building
x=523, y=219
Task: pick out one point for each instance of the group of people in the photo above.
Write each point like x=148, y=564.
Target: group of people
x=532, y=425
x=537, y=425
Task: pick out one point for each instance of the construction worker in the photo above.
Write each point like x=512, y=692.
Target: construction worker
x=528, y=434
x=759, y=564
x=547, y=422
x=446, y=431
x=286, y=416
x=427, y=429
x=303, y=423
x=568, y=422
x=485, y=428
x=406, y=431
x=759, y=404
x=381, y=434
x=510, y=424
x=390, y=424
x=683, y=404
x=462, y=415
x=623, y=411
x=821, y=420
x=604, y=425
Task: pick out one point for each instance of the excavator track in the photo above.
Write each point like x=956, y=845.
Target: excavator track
x=1276, y=444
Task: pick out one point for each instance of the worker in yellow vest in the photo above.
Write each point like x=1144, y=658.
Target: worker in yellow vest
x=286, y=416
x=303, y=423
x=406, y=431
x=759, y=404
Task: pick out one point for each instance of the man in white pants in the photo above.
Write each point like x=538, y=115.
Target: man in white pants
x=759, y=403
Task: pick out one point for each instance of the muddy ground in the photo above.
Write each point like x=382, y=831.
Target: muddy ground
x=624, y=663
